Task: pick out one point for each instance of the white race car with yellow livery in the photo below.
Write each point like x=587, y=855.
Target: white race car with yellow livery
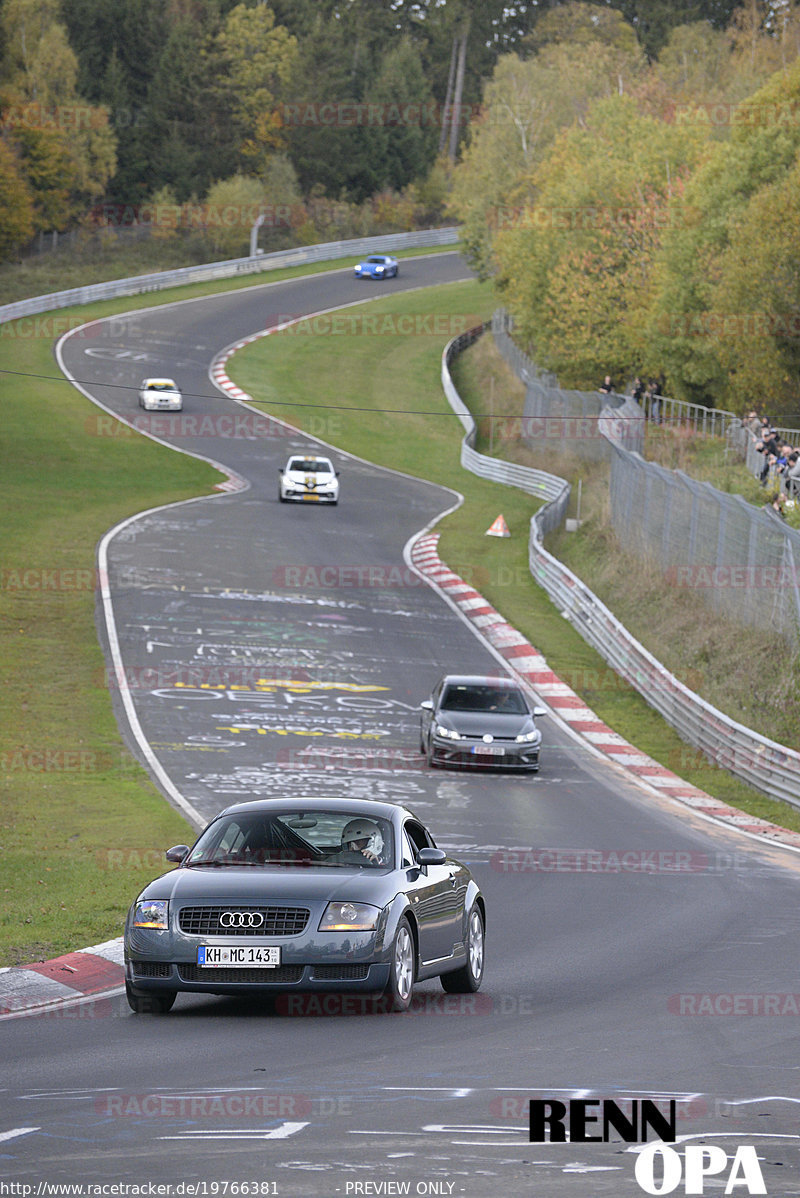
x=307, y=479
x=160, y=395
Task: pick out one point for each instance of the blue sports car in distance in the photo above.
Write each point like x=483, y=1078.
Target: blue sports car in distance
x=378, y=266
x=282, y=896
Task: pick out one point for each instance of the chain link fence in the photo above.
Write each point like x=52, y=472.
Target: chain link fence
x=740, y=561
x=768, y=766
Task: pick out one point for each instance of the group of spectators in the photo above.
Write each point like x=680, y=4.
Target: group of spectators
x=781, y=461
x=648, y=395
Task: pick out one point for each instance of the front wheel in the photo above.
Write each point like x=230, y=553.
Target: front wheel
x=468, y=979
x=147, y=1002
x=401, y=974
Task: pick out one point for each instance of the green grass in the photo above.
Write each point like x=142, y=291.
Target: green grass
x=392, y=382
x=81, y=823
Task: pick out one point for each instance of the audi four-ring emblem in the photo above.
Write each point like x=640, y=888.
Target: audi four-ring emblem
x=241, y=919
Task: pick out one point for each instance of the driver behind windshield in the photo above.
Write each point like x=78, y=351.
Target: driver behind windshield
x=361, y=840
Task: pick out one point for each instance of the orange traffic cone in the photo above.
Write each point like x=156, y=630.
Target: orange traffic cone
x=499, y=528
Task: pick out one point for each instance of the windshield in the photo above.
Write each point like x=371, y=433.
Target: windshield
x=311, y=466
x=304, y=838
x=166, y=385
x=484, y=698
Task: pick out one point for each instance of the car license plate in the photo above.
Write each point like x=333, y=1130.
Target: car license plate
x=489, y=750
x=231, y=956
x=310, y=495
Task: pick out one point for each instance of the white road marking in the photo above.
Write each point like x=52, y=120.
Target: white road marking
x=276, y=1133
x=17, y=1131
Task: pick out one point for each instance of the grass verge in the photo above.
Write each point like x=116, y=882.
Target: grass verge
x=403, y=421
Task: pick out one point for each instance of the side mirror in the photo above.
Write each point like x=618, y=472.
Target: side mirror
x=431, y=856
x=427, y=705
x=539, y=711
x=177, y=853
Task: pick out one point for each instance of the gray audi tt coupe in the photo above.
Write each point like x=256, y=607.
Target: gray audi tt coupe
x=297, y=895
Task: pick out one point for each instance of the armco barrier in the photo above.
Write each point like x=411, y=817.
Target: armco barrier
x=233, y=268
x=548, y=487
x=762, y=763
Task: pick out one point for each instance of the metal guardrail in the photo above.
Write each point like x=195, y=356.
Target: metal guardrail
x=232, y=268
x=758, y=761
x=547, y=487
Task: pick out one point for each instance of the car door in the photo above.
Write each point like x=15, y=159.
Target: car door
x=436, y=897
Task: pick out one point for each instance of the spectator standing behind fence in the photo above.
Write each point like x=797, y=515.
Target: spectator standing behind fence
x=792, y=475
x=637, y=389
x=653, y=401
x=753, y=424
x=606, y=387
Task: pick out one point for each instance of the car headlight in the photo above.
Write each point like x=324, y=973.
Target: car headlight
x=447, y=733
x=526, y=738
x=151, y=913
x=379, y=270
x=349, y=917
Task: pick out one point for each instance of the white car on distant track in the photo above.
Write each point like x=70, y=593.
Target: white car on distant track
x=309, y=479
x=160, y=395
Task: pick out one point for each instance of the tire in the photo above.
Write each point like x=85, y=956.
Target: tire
x=429, y=756
x=397, y=994
x=146, y=1002
x=468, y=979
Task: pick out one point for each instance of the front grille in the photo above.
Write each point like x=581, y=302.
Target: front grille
x=152, y=969
x=283, y=973
x=341, y=973
x=277, y=921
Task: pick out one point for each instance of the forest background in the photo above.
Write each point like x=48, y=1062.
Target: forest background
x=627, y=174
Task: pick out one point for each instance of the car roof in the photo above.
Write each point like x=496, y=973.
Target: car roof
x=374, y=807
x=309, y=457
x=498, y=681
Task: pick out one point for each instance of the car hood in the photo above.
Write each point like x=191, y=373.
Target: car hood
x=479, y=723
x=267, y=883
x=317, y=479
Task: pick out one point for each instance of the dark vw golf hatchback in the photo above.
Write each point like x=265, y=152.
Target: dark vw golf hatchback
x=306, y=894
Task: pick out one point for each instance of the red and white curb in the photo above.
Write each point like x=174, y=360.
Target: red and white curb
x=46, y=983
x=529, y=664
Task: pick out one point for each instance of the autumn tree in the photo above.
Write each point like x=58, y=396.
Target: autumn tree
x=762, y=148
x=526, y=103
x=257, y=60
x=575, y=269
x=65, y=149
x=16, y=206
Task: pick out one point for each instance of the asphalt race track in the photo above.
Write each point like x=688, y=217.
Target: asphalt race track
x=259, y=666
